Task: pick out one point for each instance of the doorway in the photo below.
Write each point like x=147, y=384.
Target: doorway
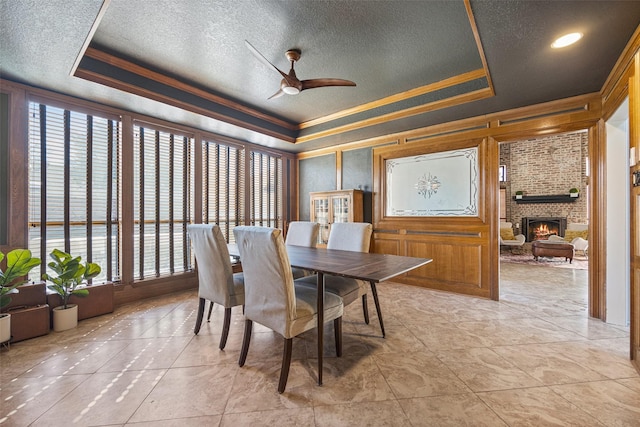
x=617, y=197
x=545, y=169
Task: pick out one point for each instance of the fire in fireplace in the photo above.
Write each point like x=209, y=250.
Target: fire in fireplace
x=538, y=228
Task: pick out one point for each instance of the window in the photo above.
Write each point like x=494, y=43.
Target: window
x=502, y=173
x=266, y=190
x=223, y=187
x=163, y=182
x=74, y=187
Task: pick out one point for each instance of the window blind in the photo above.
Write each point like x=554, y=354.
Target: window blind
x=266, y=190
x=223, y=186
x=163, y=205
x=74, y=187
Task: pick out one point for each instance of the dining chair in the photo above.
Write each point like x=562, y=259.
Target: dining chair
x=302, y=233
x=216, y=281
x=272, y=298
x=349, y=236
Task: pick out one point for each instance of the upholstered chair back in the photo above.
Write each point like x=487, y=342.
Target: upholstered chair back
x=269, y=294
x=303, y=233
x=215, y=276
x=350, y=236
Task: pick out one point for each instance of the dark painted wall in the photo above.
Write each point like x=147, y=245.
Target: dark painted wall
x=357, y=172
x=315, y=174
x=319, y=174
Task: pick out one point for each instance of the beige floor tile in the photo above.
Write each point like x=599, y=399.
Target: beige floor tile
x=150, y=353
x=542, y=362
x=590, y=328
x=104, y=398
x=78, y=358
x=25, y=399
x=398, y=339
x=453, y=410
x=537, y=406
x=213, y=420
x=188, y=392
x=348, y=380
x=632, y=383
x=296, y=417
x=610, y=402
x=418, y=375
x=24, y=356
x=255, y=387
x=143, y=365
x=605, y=361
x=380, y=414
x=482, y=370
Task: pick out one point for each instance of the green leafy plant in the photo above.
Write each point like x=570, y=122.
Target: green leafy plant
x=71, y=273
x=519, y=193
x=19, y=264
x=574, y=190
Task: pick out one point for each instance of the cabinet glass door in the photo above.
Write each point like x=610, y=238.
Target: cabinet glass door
x=321, y=216
x=340, y=209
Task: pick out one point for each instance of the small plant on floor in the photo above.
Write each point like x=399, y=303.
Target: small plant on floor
x=71, y=273
x=19, y=264
x=574, y=192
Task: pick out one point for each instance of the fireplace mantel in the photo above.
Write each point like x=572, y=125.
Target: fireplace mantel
x=554, y=198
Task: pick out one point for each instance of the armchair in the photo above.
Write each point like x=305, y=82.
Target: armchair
x=507, y=238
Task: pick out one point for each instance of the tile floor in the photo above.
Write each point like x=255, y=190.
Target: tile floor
x=532, y=359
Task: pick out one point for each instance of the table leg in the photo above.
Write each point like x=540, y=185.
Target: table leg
x=320, y=305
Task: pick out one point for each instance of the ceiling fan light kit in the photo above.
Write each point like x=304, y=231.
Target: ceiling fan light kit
x=290, y=84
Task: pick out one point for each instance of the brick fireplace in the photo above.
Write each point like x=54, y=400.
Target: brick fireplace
x=540, y=228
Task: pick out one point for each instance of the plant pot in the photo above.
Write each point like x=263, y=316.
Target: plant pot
x=574, y=194
x=64, y=319
x=5, y=327
x=518, y=196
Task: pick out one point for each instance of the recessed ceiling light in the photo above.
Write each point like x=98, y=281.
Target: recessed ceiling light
x=566, y=40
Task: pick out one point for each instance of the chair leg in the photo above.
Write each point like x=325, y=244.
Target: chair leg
x=201, y=304
x=365, y=308
x=375, y=299
x=337, y=328
x=248, y=325
x=210, y=310
x=225, y=327
x=286, y=363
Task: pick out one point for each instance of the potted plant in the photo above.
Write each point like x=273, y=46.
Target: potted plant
x=519, y=194
x=71, y=275
x=19, y=264
x=574, y=192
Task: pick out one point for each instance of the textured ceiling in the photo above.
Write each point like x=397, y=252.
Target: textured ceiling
x=388, y=48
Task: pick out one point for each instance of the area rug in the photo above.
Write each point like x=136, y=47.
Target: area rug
x=579, y=262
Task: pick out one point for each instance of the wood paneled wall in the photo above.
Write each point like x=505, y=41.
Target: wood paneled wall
x=465, y=249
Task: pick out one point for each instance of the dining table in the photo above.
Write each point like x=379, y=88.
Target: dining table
x=371, y=267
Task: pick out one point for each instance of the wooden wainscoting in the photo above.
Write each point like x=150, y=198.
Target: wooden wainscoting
x=457, y=259
x=464, y=249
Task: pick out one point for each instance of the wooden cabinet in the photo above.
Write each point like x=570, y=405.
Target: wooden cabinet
x=328, y=207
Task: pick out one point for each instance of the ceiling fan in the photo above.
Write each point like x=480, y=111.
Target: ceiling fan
x=290, y=84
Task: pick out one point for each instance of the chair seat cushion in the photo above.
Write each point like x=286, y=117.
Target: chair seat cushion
x=300, y=272
x=306, y=309
x=507, y=234
x=348, y=289
x=237, y=297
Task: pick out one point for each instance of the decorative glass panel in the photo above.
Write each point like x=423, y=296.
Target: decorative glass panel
x=437, y=184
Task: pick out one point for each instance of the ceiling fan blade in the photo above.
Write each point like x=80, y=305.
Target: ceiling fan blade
x=266, y=62
x=278, y=94
x=314, y=83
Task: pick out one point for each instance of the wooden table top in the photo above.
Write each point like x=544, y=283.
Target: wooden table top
x=358, y=265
